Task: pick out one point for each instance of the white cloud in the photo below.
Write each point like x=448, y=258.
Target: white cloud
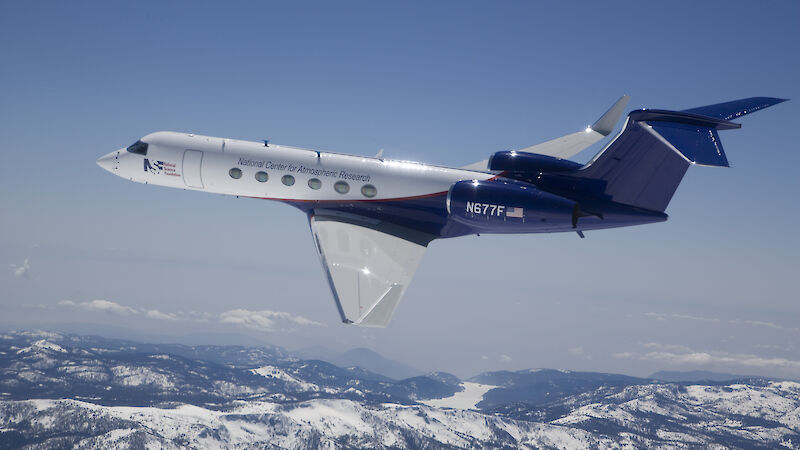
x=680, y=358
x=257, y=320
x=156, y=314
x=37, y=306
x=667, y=347
x=756, y=323
x=662, y=316
x=107, y=305
x=696, y=318
x=300, y=320
x=262, y=320
x=722, y=358
x=505, y=358
x=115, y=308
x=100, y=305
x=484, y=357
x=681, y=355
x=579, y=351
x=22, y=270
x=761, y=323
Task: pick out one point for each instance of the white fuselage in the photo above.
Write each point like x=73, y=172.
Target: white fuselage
x=234, y=167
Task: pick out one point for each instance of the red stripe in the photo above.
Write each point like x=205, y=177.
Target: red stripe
x=394, y=199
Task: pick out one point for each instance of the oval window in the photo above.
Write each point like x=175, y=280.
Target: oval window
x=287, y=180
x=235, y=173
x=369, y=190
x=341, y=187
x=262, y=177
x=314, y=183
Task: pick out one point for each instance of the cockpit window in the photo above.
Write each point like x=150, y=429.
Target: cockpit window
x=139, y=147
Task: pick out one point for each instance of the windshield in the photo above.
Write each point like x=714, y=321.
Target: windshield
x=139, y=147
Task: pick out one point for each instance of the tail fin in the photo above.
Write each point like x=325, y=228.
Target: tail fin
x=645, y=163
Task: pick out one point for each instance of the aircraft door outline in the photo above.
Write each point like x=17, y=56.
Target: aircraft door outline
x=192, y=163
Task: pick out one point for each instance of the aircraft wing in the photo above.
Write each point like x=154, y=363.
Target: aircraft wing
x=369, y=264
x=574, y=143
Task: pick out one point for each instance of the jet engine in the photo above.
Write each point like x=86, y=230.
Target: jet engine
x=522, y=162
x=509, y=206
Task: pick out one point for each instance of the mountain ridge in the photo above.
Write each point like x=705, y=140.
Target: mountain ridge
x=61, y=390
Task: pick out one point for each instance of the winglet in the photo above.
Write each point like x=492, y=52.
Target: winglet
x=381, y=312
x=606, y=123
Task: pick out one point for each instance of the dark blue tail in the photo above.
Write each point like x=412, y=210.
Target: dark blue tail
x=643, y=166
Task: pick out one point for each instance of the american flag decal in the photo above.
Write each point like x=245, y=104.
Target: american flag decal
x=514, y=212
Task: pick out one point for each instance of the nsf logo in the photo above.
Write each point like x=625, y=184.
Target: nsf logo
x=155, y=167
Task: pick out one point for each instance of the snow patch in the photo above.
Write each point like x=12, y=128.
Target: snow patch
x=336, y=417
x=137, y=376
x=41, y=345
x=281, y=374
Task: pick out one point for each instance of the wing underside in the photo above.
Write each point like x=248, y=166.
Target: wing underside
x=368, y=268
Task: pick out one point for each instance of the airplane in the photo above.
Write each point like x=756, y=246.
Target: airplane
x=372, y=218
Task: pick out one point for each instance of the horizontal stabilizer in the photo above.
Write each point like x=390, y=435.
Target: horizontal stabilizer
x=692, y=136
x=736, y=108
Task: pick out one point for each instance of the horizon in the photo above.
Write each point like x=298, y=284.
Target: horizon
x=330, y=356
x=447, y=84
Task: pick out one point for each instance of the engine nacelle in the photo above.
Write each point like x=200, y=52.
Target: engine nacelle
x=508, y=206
x=522, y=162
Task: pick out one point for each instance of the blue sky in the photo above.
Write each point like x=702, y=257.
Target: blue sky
x=446, y=83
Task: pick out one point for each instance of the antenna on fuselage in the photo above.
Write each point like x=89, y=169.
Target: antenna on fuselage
x=266, y=142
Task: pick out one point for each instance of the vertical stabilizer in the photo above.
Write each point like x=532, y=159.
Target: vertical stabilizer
x=644, y=165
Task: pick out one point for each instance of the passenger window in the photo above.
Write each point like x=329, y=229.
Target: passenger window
x=262, y=177
x=314, y=183
x=341, y=187
x=235, y=173
x=287, y=180
x=369, y=190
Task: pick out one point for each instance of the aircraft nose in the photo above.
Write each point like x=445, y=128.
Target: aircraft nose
x=110, y=162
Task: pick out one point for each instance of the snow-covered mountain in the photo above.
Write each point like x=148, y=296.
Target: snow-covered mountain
x=74, y=391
